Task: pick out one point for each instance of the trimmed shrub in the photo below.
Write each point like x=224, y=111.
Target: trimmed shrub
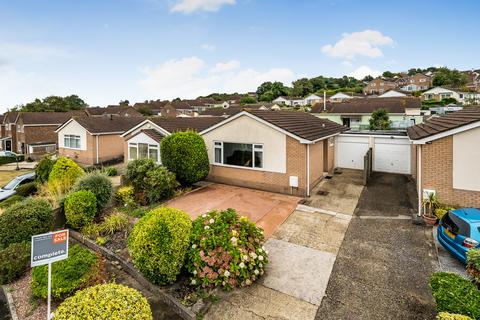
x=452, y=316
x=473, y=264
x=455, y=294
x=160, y=184
x=27, y=189
x=105, y=302
x=64, y=174
x=80, y=208
x=99, y=184
x=158, y=243
x=226, y=251
x=14, y=262
x=9, y=201
x=185, y=154
x=43, y=169
x=137, y=172
x=82, y=268
x=125, y=196
x=22, y=220
x=8, y=159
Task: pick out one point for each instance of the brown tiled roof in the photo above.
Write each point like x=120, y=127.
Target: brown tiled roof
x=179, y=105
x=98, y=111
x=369, y=105
x=108, y=124
x=301, y=124
x=152, y=133
x=153, y=106
x=222, y=111
x=187, y=123
x=49, y=118
x=439, y=124
x=10, y=116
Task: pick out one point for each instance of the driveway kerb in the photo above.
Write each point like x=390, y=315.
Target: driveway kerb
x=305, y=208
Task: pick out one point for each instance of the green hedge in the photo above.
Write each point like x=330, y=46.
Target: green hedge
x=99, y=184
x=105, y=302
x=14, y=262
x=160, y=184
x=137, y=172
x=80, y=208
x=473, y=264
x=43, y=169
x=158, y=243
x=11, y=200
x=5, y=160
x=65, y=172
x=81, y=268
x=22, y=220
x=185, y=154
x=26, y=189
x=452, y=316
x=454, y=294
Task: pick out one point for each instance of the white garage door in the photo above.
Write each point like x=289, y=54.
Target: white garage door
x=391, y=155
x=350, y=151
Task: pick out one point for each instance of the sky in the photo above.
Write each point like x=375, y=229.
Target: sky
x=107, y=51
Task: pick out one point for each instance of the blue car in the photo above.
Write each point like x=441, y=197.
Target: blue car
x=459, y=231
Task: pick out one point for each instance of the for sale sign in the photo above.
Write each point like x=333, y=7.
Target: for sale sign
x=49, y=247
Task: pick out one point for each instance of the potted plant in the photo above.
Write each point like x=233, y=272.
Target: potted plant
x=430, y=204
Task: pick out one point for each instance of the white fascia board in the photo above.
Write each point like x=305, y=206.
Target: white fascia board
x=163, y=131
x=447, y=133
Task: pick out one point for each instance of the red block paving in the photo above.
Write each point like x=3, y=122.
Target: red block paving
x=268, y=210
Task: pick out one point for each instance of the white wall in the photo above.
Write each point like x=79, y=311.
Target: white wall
x=466, y=152
x=73, y=128
x=247, y=130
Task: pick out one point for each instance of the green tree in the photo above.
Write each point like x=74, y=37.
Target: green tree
x=388, y=74
x=302, y=87
x=452, y=78
x=379, y=120
x=367, y=78
x=247, y=100
x=54, y=104
x=269, y=91
x=124, y=103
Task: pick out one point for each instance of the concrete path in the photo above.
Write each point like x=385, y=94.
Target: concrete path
x=384, y=264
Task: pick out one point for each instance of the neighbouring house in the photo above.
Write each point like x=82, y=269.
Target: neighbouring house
x=178, y=108
x=340, y=96
x=392, y=94
x=279, y=151
x=379, y=85
x=439, y=93
x=312, y=99
x=355, y=113
x=94, y=140
x=234, y=109
x=9, y=131
x=416, y=82
x=143, y=140
x=446, y=153
x=473, y=80
x=290, y=101
x=125, y=111
x=152, y=107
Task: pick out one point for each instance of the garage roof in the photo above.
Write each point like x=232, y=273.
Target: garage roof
x=441, y=124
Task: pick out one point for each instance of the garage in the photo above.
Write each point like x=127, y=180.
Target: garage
x=391, y=151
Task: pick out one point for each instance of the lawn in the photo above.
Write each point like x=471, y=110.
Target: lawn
x=6, y=176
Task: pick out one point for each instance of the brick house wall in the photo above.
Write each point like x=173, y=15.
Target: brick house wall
x=316, y=163
x=35, y=134
x=379, y=86
x=437, y=174
x=110, y=147
x=12, y=133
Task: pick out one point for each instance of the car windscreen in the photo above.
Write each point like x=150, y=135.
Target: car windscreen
x=12, y=184
x=456, y=225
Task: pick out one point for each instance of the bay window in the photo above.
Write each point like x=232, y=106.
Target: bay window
x=143, y=151
x=71, y=141
x=239, y=154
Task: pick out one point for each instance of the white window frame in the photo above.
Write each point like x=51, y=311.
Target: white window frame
x=149, y=147
x=69, y=137
x=256, y=147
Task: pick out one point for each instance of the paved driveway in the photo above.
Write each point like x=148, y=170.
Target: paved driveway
x=385, y=262
x=267, y=209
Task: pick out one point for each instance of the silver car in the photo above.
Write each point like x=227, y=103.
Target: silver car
x=11, y=188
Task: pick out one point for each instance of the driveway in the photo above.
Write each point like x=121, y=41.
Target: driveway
x=385, y=262
x=268, y=210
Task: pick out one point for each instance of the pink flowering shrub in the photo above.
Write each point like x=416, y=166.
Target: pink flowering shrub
x=225, y=251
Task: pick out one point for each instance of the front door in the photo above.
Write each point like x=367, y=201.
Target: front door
x=346, y=122
x=8, y=145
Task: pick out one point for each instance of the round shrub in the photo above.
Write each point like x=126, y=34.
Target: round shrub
x=11, y=200
x=99, y=184
x=22, y=220
x=80, y=208
x=452, y=316
x=125, y=196
x=64, y=174
x=137, y=172
x=160, y=184
x=14, y=262
x=473, y=265
x=81, y=269
x=185, y=154
x=43, y=169
x=105, y=302
x=26, y=189
x=158, y=243
x=226, y=251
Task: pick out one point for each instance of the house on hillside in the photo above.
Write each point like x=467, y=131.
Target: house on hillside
x=178, y=108
x=446, y=157
x=340, y=96
x=392, y=94
x=312, y=99
x=416, y=82
x=355, y=113
x=290, y=101
x=124, y=111
x=379, y=86
x=439, y=93
x=94, y=140
x=150, y=107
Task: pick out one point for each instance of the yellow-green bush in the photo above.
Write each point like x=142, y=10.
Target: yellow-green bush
x=63, y=176
x=158, y=243
x=80, y=208
x=105, y=302
x=452, y=316
x=125, y=196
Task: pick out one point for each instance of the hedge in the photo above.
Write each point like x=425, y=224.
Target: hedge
x=160, y=184
x=452, y=316
x=185, y=154
x=43, y=169
x=14, y=262
x=158, y=243
x=80, y=208
x=99, y=184
x=27, y=189
x=137, y=172
x=64, y=174
x=105, y=302
x=22, y=220
x=8, y=159
x=11, y=200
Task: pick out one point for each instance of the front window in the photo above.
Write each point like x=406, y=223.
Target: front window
x=143, y=151
x=239, y=154
x=71, y=141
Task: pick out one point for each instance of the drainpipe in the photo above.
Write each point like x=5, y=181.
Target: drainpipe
x=419, y=179
x=308, y=170
x=97, y=148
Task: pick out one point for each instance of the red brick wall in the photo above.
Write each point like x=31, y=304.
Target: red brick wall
x=437, y=174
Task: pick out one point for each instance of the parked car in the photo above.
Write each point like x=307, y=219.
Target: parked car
x=8, y=154
x=459, y=231
x=10, y=188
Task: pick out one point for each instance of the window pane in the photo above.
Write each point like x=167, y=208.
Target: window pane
x=153, y=154
x=142, y=150
x=77, y=142
x=237, y=154
x=66, y=141
x=133, y=152
x=218, y=155
x=258, y=159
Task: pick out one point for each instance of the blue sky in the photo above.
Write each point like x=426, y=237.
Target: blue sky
x=106, y=51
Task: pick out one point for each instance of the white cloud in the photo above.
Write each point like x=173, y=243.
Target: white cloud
x=10, y=51
x=363, y=71
x=364, y=43
x=191, y=6
x=208, y=47
x=190, y=77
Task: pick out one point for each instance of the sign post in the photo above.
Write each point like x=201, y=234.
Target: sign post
x=46, y=249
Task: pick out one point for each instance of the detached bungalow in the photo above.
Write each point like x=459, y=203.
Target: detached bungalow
x=279, y=151
x=446, y=152
x=94, y=140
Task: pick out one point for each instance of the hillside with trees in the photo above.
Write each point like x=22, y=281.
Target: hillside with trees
x=53, y=104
